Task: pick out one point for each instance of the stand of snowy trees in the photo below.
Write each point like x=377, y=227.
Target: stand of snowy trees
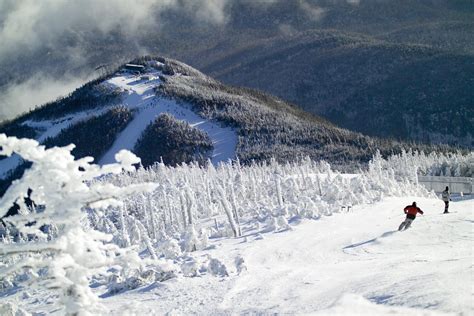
x=433, y=164
x=123, y=228
x=193, y=203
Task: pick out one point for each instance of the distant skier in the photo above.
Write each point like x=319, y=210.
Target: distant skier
x=446, y=196
x=411, y=211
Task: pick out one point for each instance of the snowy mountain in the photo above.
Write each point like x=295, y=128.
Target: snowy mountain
x=155, y=188
x=205, y=120
x=407, y=63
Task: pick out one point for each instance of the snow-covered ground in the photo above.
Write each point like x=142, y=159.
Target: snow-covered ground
x=348, y=264
x=297, y=250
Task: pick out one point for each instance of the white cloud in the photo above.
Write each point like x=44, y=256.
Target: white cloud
x=211, y=11
x=35, y=91
x=29, y=26
x=313, y=12
x=353, y=2
x=26, y=25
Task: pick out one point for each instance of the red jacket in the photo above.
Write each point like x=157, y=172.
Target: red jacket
x=411, y=211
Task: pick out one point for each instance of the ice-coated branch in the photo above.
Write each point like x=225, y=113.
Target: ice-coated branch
x=63, y=186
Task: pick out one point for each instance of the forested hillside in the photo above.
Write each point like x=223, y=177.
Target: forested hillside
x=264, y=127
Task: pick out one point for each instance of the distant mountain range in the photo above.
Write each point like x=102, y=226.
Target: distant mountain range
x=401, y=69
x=379, y=88
x=166, y=111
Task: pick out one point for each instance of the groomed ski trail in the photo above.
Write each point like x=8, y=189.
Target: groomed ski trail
x=140, y=96
x=347, y=264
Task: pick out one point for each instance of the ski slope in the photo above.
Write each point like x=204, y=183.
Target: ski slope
x=140, y=96
x=348, y=264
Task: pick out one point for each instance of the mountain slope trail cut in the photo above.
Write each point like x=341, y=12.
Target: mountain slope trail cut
x=140, y=96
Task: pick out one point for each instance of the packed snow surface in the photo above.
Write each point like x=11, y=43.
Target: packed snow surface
x=353, y=263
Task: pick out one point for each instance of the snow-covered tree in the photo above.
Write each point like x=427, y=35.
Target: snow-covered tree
x=61, y=189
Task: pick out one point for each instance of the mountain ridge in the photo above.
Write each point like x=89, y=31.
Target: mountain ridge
x=381, y=33
x=335, y=74
x=243, y=123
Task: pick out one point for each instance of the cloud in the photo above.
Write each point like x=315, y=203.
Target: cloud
x=37, y=90
x=262, y=3
x=287, y=30
x=31, y=27
x=27, y=25
x=211, y=11
x=70, y=29
x=314, y=12
x=30, y=24
x=353, y=2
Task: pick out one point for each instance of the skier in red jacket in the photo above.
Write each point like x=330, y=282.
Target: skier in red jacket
x=411, y=211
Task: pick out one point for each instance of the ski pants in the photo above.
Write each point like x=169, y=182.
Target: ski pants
x=446, y=206
x=405, y=224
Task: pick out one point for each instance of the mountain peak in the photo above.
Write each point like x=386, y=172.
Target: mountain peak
x=213, y=122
